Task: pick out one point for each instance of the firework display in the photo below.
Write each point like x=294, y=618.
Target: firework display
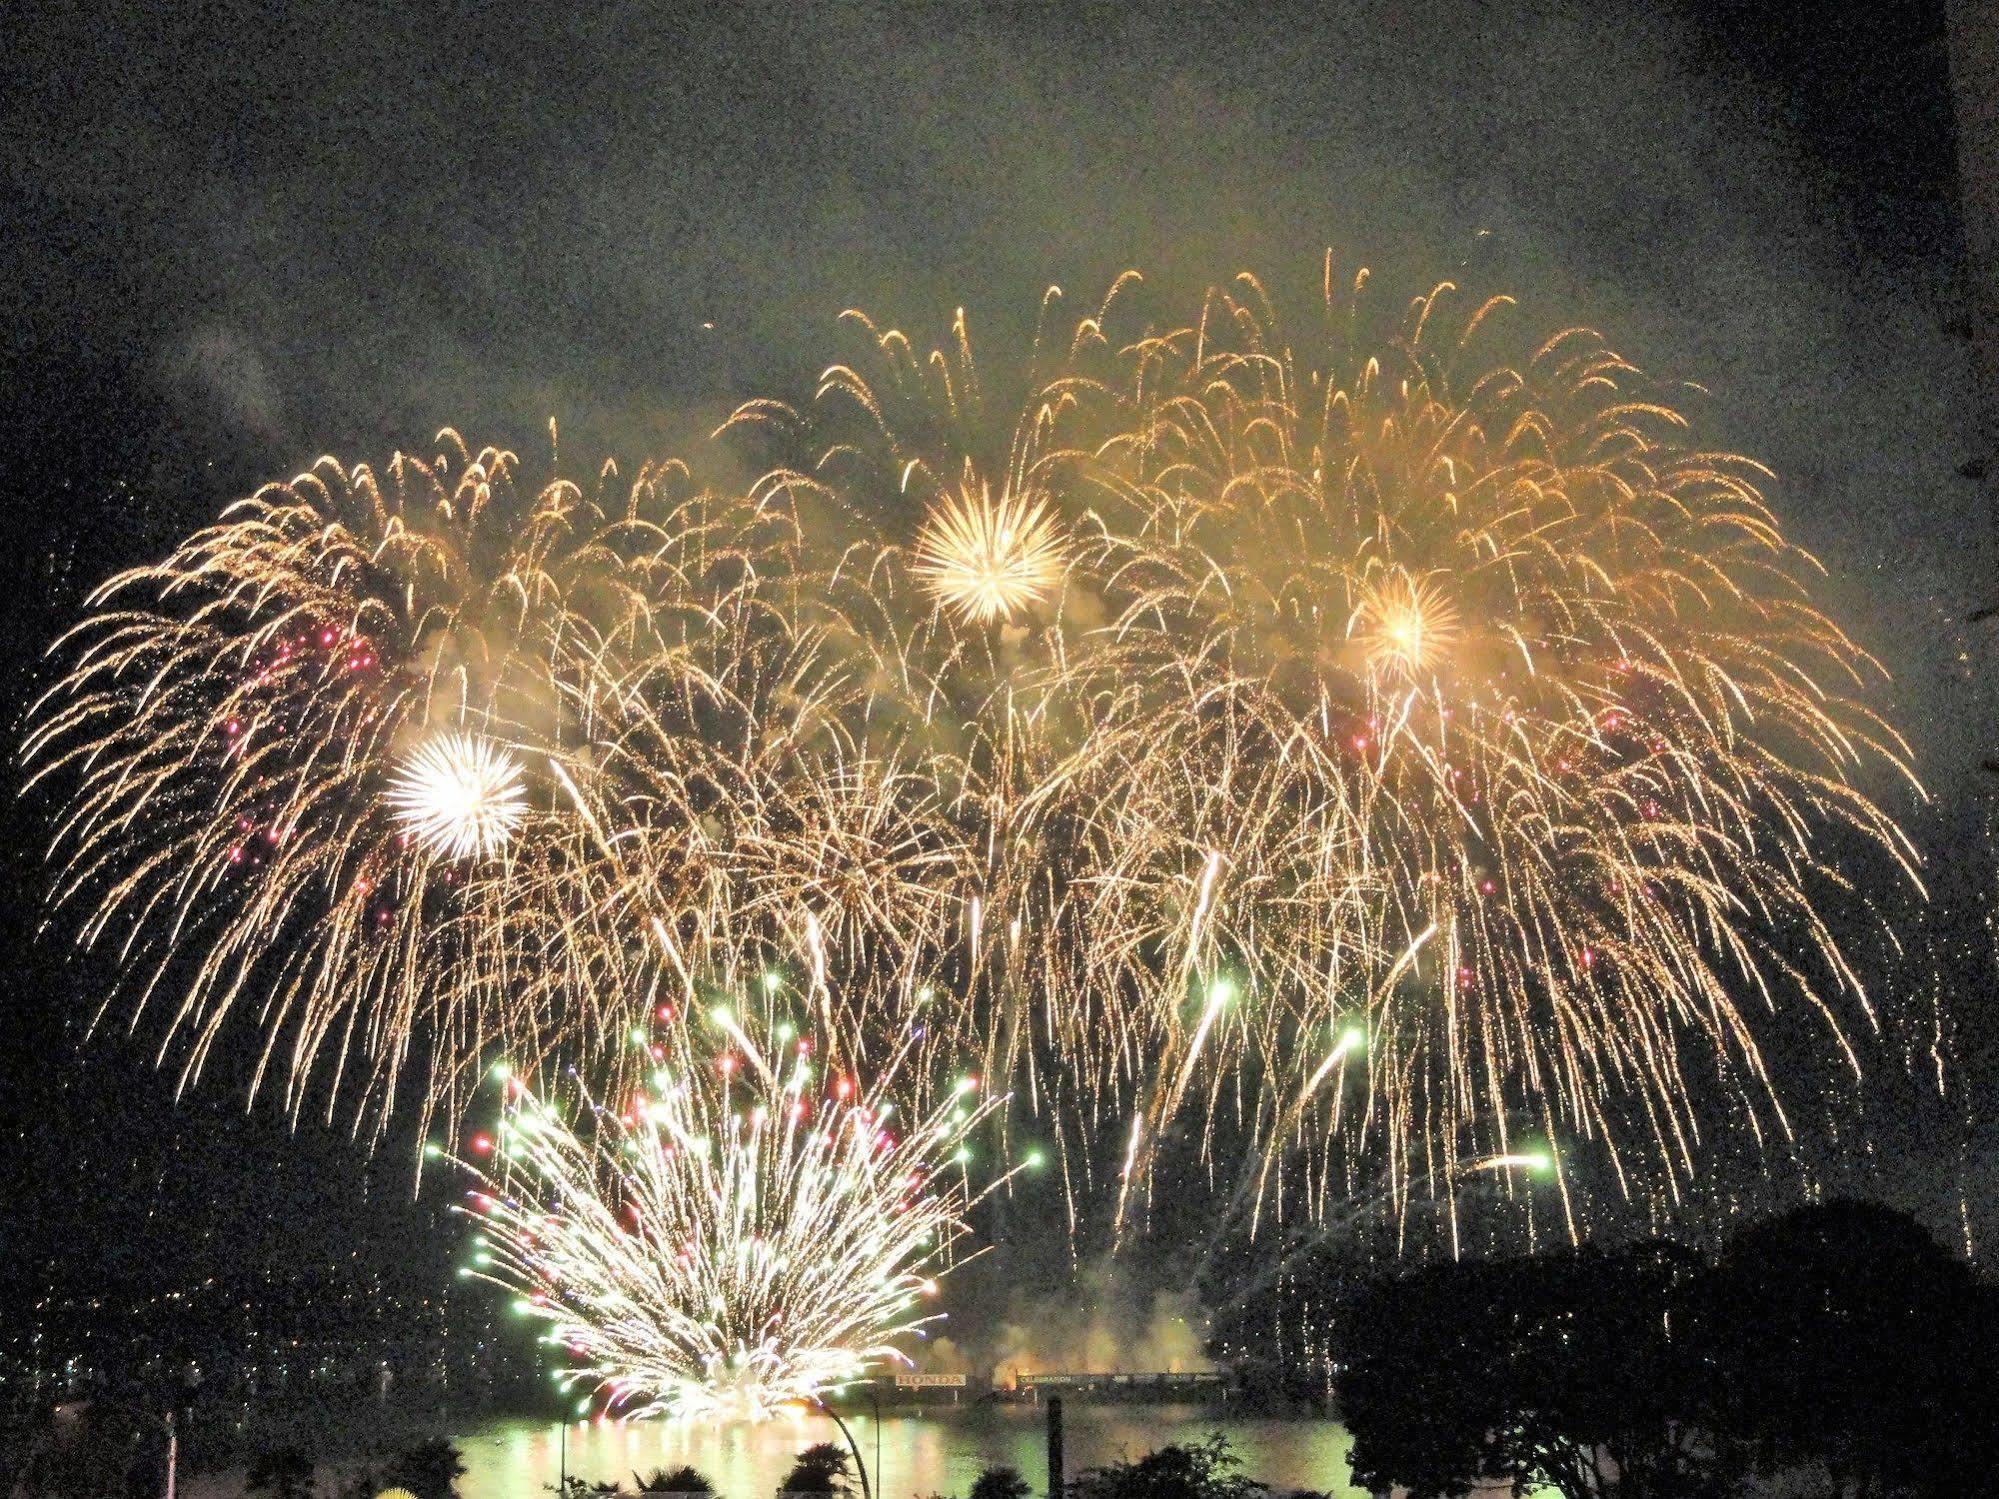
x=1394, y=690
x=1475, y=707
x=743, y=1237
x=1376, y=764
x=419, y=759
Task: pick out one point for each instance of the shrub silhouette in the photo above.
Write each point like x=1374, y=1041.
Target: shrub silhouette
x=1001, y=1481
x=820, y=1469
x=685, y=1479
x=429, y=1470
x=1199, y=1470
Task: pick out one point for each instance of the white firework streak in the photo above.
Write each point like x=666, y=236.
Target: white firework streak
x=733, y=1244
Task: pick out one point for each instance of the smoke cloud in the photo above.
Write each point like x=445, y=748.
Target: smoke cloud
x=1107, y=1322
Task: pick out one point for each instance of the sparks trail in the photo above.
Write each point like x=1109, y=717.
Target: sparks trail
x=745, y=1235
x=951, y=539
x=418, y=761
x=1487, y=680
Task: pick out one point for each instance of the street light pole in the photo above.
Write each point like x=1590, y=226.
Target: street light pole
x=875, y=1404
x=867, y=1490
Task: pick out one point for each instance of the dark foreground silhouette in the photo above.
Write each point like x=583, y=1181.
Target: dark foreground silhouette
x=1839, y=1346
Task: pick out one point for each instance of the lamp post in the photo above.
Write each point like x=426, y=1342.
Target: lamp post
x=875, y=1405
x=867, y=1490
x=1057, y=1468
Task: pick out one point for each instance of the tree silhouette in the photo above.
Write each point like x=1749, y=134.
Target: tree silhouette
x=1839, y=1342
x=1844, y=1335
x=89, y=1451
x=1421, y=1393
x=1606, y=1394
x=429, y=1470
x=1199, y=1470
x=1000, y=1482
x=685, y=1479
x=819, y=1469
x=1574, y=1370
x=282, y=1472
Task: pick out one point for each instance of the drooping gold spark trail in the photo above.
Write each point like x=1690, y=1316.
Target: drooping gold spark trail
x=1465, y=706
x=417, y=762
x=959, y=545
x=739, y=1240
x=1362, y=753
x=1415, y=644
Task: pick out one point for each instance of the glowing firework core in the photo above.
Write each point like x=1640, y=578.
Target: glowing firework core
x=990, y=561
x=459, y=795
x=1405, y=624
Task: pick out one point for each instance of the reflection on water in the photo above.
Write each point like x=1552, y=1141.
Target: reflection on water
x=935, y=1453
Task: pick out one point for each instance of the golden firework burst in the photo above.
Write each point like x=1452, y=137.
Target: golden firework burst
x=1405, y=624
x=990, y=561
x=258, y=801
x=1563, y=885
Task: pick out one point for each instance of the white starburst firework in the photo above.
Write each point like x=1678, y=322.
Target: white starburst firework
x=459, y=795
x=1405, y=623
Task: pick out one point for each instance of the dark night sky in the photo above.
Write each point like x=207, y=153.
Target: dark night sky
x=234, y=240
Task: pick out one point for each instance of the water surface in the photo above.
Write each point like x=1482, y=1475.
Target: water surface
x=934, y=1452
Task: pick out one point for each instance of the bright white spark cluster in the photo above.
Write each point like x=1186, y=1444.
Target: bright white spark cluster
x=990, y=561
x=459, y=795
x=740, y=1240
